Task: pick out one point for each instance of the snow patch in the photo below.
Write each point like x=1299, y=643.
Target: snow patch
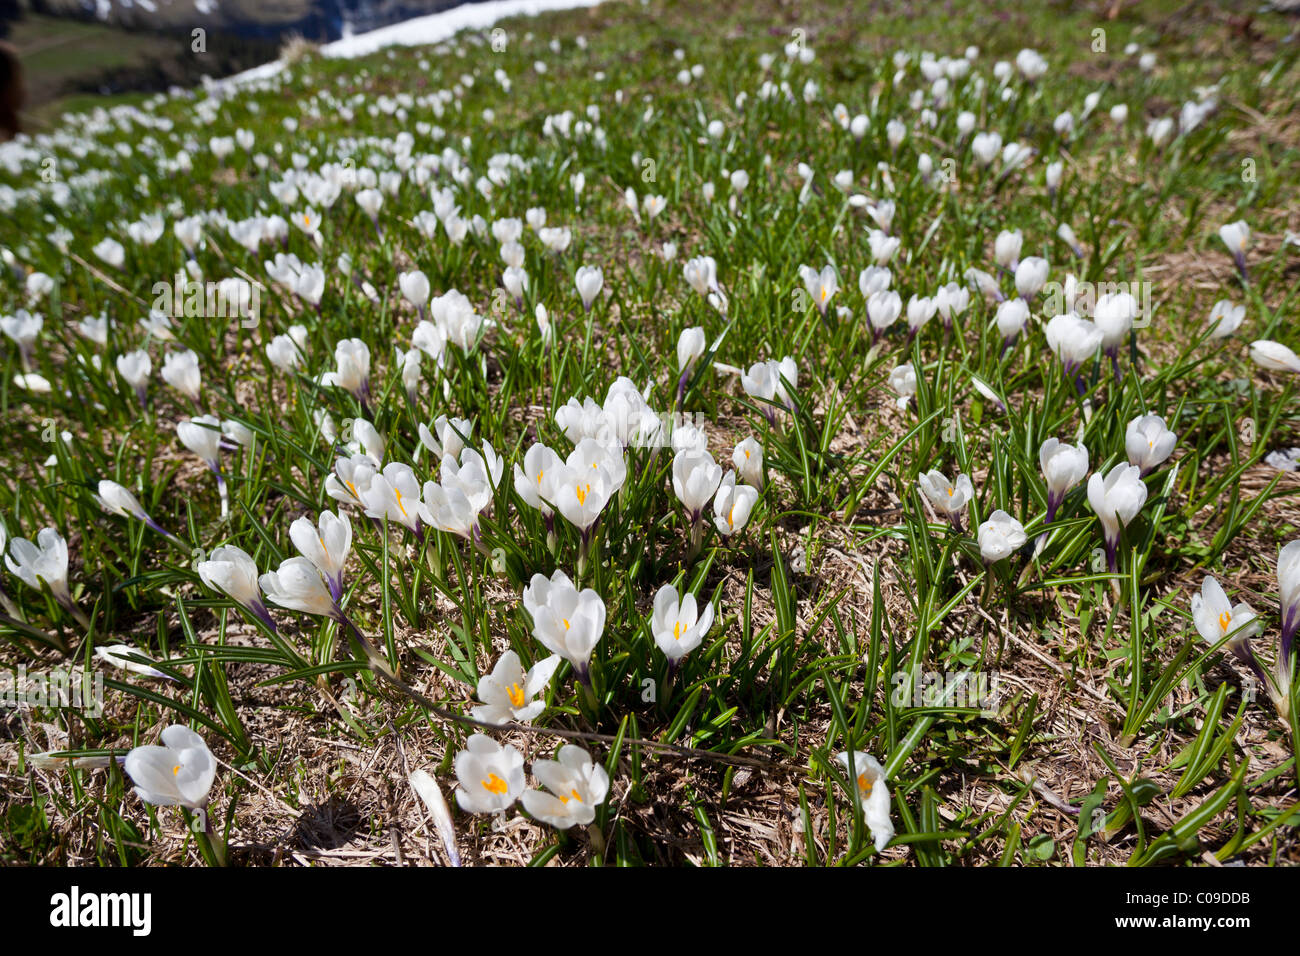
x=424, y=31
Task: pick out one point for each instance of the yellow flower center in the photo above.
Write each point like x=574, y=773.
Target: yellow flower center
x=573, y=795
x=353, y=488
x=950, y=492
x=582, y=491
x=176, y=770
x=399, y=503
x=516, y=695
x=494, y=784
x=565, y=620
x=1225, y=621
x=864, y=785
x=677, y=631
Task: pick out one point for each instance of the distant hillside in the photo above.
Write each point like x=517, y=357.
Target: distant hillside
x=74, y=48
x=319, y=20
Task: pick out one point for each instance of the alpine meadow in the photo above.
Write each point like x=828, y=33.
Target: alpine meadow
x=664, y=433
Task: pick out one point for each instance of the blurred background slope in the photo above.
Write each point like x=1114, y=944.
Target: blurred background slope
x=73, y=50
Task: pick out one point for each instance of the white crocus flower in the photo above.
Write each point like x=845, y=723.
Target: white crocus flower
x=1113, y=314
x=95, y=329
x=135, y=367
x=872, y=793
x=696, y=477
x=396, y=494
x=22, y=328
x=1148, y=442
x=1074, y=340
x=986, y=147
x=1236, y=236
x=883, y=247
x=578, y=786
x=117, y=500
x=691, y=344
x=1065, y=232
x=455, y=315
x=326, y=545
x=589, y=280
x=32, y=382
x=920, y=310
x=677, y=624
x=351, y=479
x=1011, y=318
x=947, y=498
x=231, y=571
x=748, y=459
x=1216, y=617
x=298, y=586
x=119, y=655
x=352, y=356
x=536, y=481
x=202, y=436
x=449, y=509
x=46, y=560
x=732, y=505
x=370, y=201
x=1064, y=466
x=491, y=776
x=581, y=494
x=579, y=421
x=507, y=694
x=426, y=787
x=180, y=370
x=555, y=238
x=1006, y=248
x=1116, y=498
x=544, y=325
x=1288, y=582
x=566, y=621
x=1031, y=276
x=447, y=437
x=1274, y=356
x=902, y=380
x=474, y=478
x=873, y=279
x=415, y=289
x=111, y=252
x=984, y=284
x=284, y=353
x=179, y=773
x=764, y=381
x=1000, y=536
x=1225, y=318
x=822, y=286
x=883, y=309
x=701, y=274
x=951, y=301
